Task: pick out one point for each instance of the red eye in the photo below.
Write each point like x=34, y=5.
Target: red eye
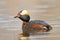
x=19, y=15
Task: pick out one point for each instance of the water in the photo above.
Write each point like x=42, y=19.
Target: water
x=10, y=28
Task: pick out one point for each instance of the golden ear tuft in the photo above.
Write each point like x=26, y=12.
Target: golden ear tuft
x=25, y=12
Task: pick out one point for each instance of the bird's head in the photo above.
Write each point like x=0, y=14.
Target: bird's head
x=23, y=15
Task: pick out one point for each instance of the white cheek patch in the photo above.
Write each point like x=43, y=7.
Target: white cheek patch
x=24, y=12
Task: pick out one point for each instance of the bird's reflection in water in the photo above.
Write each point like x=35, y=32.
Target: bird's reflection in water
x=21, y=37
x=24, y=38
x=33, y=35
x=41, y=33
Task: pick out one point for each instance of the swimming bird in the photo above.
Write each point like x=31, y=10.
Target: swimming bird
x=32, y=26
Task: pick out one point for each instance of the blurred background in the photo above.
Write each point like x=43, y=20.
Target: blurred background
x=47, y=10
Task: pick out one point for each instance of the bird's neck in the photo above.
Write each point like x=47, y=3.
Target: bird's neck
x=24, y=22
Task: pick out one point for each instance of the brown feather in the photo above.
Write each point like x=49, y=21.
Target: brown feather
x=32, y=28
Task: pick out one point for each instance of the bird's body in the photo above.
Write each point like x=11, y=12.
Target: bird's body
x=36, y=26
x=32, y=26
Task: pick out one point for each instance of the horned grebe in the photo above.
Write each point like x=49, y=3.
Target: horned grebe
x=32, y=26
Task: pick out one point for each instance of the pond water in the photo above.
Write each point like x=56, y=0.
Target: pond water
x=10, y=28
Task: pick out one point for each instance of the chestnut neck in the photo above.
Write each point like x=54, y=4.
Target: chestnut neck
x=23, y=23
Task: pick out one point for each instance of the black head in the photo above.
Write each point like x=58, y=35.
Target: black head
x=23, y=15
